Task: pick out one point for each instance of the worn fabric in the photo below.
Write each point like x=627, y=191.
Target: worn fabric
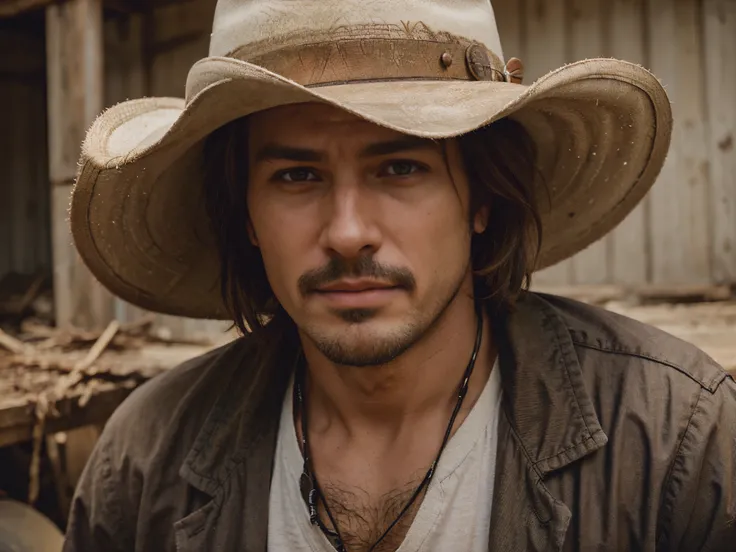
x=455, y=513
x=614, y=436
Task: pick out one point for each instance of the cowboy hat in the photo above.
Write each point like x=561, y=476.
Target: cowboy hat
x=428, y=68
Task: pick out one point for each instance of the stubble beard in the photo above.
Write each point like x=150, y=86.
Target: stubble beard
x=344, y=351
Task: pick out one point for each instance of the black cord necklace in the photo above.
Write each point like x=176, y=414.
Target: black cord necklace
x=309, y=487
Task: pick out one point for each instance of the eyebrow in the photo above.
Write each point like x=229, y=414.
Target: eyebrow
x=409, y=143
x=274, y=152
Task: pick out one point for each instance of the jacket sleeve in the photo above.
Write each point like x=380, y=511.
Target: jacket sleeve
x=699, y=502
x=96, y=522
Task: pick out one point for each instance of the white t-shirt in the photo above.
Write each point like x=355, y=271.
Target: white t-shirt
x=455, y=513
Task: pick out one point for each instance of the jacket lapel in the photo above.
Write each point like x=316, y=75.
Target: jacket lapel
x=548, y=422
x=232, y=458
x=525, y=515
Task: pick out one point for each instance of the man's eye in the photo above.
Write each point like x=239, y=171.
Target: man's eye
x=296, y=175
x=402, y=168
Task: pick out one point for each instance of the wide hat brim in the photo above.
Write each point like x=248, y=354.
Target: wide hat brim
x=602, y=129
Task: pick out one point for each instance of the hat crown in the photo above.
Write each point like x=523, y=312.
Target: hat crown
x=272, y=23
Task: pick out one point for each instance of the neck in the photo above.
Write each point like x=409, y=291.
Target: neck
x=423, y=380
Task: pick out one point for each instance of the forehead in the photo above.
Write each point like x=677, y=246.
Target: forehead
x=310, y=121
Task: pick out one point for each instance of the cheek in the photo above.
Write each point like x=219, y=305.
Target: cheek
x=284, y=243
x=435, y=239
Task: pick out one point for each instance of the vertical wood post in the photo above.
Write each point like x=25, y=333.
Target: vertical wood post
x=680, y=212
x=719, y=32
x=75, y=96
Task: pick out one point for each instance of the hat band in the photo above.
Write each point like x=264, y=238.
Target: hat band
x=379, y=59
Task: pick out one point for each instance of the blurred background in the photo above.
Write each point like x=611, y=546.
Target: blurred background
x=70, y=352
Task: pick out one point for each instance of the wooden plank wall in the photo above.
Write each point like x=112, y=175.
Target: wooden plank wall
x=24, y=192
x=180, y=35
x=75, y=89
x=685, y=230
x=719, y=26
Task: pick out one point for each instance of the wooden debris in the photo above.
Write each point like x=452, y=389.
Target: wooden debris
x=57, y=350
x=42, y=408
x=100, y=345
x=50, y=397
x=12, y=344
x=130, y=336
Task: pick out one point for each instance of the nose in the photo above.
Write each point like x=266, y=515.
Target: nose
x=350, y=229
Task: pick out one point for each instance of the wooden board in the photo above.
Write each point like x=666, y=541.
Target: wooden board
x=630, y=243
x=585, y=39
x=182, y=22
x=17, y=421
x=125, y=75
x=546, y=50
x=122, y=372
x=75, y=98
x=24, y=226
x=12, y=8
x=679, y=200
x=511, y=23
x=719, y=28
x=6, y=184
x=170, y=67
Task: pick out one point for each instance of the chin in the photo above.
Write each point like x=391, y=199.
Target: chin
x=364, y=343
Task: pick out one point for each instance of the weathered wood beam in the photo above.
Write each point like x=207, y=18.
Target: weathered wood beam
x=16, y=422
x=11, y=8
x=126, y=6
x=74, y=40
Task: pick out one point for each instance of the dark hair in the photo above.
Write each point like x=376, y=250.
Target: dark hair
x=500, y=164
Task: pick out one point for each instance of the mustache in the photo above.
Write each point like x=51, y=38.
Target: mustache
x=365, y=267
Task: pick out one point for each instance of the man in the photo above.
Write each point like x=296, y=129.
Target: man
x=364, y=188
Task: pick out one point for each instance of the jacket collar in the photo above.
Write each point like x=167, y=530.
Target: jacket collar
x=545, y=399
x=243, y=422
x=548, y=422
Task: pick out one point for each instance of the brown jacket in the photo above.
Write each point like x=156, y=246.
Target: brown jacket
x=614, y=436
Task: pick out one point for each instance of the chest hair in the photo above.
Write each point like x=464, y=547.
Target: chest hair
x=362, y=518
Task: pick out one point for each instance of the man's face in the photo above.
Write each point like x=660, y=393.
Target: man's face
x=364, y=232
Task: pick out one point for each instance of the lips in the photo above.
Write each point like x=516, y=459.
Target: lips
x=357, y=294
x=355, y=286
